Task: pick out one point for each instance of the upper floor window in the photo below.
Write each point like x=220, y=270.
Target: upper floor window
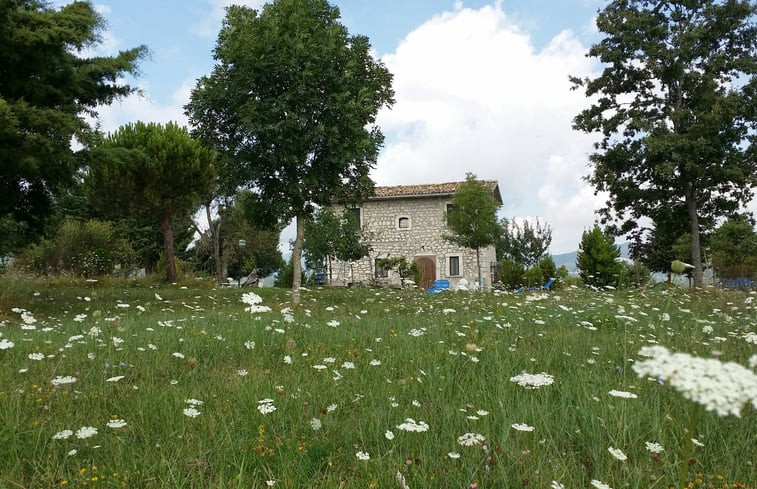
x=356, y=212
x=403, y=222
x=449, y=207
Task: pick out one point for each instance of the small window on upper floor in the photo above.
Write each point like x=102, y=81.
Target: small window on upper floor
x=356, y=213
x=403, y=222
x=449, y=207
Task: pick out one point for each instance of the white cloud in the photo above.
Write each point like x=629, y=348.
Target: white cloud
x=211, y=20
x=474, y=95
x=143, y=108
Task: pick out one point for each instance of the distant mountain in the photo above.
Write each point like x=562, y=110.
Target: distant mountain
x=569, y=259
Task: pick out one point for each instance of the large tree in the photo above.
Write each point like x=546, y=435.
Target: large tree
x=154, y=171
x=524, y=244
x=597, y=259
x=291, y=106
x=472, y=219
x=47, y=88
x=675, y=105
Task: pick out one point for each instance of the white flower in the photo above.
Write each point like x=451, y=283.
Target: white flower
x=194, y=402
x=287, y=359
x=266, y=406
x=250, y=298
x=389, y=435
x=36, y=356
x=411, y=425
x=654, y=447
x=270, y=483
x=116, y=423
x=363, y=456
x=177, y=354
x=86, y=432
x=249, y=344
x=114, y=379
x=242, y=372
x=374, y=362
x=470, y=439
x=522, y=427
x=453, y=455
x=6, y=344
x=62, y=435
x=333, y=323
x=556, y=485
x=348, y=365
x=315, y=424
x=600, y=484
x=720, y=387
x=533, y=381
x=191, y=412
x=72, y=452
x=707, y=329
x=623, y=394
x=617, y=453
x=63, y=380
x=697, y=442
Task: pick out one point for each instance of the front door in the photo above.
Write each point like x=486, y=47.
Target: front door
x=427, y=269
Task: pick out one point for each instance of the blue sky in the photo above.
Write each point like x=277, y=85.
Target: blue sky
x=481, y=86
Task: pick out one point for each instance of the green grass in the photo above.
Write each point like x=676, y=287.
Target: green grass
x=586, y=339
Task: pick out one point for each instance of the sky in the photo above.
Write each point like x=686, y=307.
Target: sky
x=480, y=86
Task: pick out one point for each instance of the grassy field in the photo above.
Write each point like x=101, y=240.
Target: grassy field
x=168, y=387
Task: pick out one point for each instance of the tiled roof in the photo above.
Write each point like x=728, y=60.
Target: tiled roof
x=428, y=190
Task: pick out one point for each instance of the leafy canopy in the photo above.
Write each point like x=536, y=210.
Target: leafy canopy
x=47, y=87
x=524, y=244
x=153, y=171
x=472, y=219
x=597, y=258
x=674, y=106
x=291, y=107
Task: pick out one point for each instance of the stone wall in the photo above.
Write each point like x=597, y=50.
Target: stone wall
x=384, y=222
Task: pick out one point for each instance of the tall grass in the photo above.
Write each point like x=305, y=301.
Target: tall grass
x=362, y=362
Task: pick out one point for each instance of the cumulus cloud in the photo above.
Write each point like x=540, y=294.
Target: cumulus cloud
x=211, y=20
x=143, y=108
x=473, y=94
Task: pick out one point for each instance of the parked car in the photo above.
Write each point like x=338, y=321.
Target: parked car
x=319, y=278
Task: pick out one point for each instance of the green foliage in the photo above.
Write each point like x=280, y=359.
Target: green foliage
x=152, y=171
x=597, y=258
x=47, y=89
x=285, y=276
x=675, y=107
x=83, y=249
x=511, y=274
x=329, y=236
x=291, y=107
x=634, y=274
x=404, y=269
x=525, y=244
x=734, y=249
x=473, y=216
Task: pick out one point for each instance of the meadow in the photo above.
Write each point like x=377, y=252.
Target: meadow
x=136, y=386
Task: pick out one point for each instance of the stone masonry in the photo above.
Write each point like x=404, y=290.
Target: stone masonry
x=411, y=222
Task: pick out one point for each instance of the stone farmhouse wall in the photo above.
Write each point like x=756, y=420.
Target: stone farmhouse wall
x=412, y=227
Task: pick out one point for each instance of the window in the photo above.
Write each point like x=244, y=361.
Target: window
x=356, y=212
x=450, y=206
x=381, y=271
x=453, y=268
x=403, y=222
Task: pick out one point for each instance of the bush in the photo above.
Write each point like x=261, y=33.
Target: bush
x=83, y=249
x=511, y=274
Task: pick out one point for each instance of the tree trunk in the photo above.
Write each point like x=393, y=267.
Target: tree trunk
x=478, y=266
x=167, y=229
x=696, y=254
x=215, y=239
x=297, y=257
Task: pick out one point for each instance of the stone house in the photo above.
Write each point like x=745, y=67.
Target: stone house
x=410, y=221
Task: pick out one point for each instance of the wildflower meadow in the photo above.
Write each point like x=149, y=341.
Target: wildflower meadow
x=192, y=387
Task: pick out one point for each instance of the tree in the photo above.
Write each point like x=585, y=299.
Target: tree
x=734, y=249
x=151, y=170
x=525, y=245
x=472, y=219
x=329, y=236
x=292, y=105
x=597, y=260
x=47, y=88
x=675, y=107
